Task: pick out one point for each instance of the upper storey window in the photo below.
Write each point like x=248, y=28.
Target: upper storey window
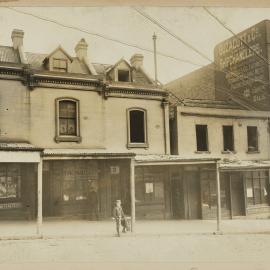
x=123, y=75
x=60, y=65
x=137, y=128
x=67, y=126
x=252, y=139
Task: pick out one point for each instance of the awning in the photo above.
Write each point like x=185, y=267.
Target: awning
x=171, y=160
x=245, y=165
x=19, y=153
x=83, y=154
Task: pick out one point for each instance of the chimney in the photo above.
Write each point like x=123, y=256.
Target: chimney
x=17, y=38
x=81, y=49
x=136, y=60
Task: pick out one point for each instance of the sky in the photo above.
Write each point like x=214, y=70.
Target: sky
x=192, y=24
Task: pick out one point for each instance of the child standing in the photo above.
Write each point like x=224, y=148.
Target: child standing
x=119, y=215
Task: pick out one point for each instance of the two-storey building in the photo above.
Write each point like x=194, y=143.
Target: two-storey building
x=70, y=128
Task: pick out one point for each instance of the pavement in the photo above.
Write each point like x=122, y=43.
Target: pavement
x=84, y=228
x=171, y=244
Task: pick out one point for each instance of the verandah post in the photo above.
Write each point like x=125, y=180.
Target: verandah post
x=218, y=197
x=132, y=194
x=39, y=199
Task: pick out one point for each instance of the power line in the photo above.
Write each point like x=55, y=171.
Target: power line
x=235, y=35
x=171, y=33
x=129, y=44
x=103, y=36
x=242, y=77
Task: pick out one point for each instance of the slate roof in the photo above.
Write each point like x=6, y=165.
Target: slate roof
x=8, y=54
x=218, y=104
x=199, y=84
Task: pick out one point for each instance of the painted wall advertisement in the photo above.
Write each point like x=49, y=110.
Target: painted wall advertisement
x=240, y=71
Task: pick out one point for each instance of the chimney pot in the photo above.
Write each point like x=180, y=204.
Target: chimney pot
x=136, y=60
x=17, y=38
x=81, y=49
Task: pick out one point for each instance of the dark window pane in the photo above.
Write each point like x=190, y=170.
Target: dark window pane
x=252, y=136
x=257, y=190
x=201, y=137
x=67, y=118
x=71, y=127
x=63, y=127
x=228, y=138
x=123, y=75
x=206, y=193
x=137, y=132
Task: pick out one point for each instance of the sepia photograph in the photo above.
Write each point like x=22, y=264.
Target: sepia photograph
x=134, y=135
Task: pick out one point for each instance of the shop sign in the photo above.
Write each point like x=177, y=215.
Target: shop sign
x=115, y=169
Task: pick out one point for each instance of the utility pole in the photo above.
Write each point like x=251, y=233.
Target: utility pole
x=155, y=57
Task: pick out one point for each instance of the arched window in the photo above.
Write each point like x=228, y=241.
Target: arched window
x=67, y=120
x=137, y=128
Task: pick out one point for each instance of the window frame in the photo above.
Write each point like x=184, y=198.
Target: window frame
x=130, y=144
x=250, y=176
x=233, y=141
x=67, y=138
x=57, y=69
x=123, y=69
x=249, y=151
x=207, y=139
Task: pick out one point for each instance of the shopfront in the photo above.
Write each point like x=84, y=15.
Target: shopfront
x=85, y=188
x=168, y=188
x=18, y=181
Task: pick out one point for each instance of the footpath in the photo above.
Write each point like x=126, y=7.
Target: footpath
x=85, y=229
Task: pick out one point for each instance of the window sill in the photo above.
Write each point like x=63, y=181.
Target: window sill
x=202, y=152
x=59, y=139
x=253, y=152
x=137, y=145
x=228, y=152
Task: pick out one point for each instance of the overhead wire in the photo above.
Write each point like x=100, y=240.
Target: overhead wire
x=138, y=46
x=241, y=76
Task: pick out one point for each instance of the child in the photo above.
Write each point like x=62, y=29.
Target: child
x=119, y=216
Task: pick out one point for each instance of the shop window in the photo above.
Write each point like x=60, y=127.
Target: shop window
x=228, y=139
x=123, y=75
x=252, y=138
x=60, y=65
x=137, y=128
x=149, y=188
x=209, y=190
x=67, y=120
x=10, y=182
x=257, y=187
x=202, y=137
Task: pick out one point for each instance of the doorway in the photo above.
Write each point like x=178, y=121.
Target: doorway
x=237, y=195
x=193, y=195
x=178, y=202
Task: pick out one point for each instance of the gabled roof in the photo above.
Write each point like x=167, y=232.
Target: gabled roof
x=117, y=63
x=59, y=48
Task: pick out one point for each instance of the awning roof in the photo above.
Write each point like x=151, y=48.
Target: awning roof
x=18, y=146
x=245, y=164
x=172, y=159
x=97, y=153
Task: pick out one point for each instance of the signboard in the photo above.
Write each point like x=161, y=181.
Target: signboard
x=115, y=169
x=240, y=71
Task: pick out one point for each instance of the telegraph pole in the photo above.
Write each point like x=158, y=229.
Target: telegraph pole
x=155, y=57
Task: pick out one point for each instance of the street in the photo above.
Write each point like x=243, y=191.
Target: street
x=196, y=252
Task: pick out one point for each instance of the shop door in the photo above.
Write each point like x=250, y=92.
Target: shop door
x=178, y=206
x=193, y=195
x=237, y=195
